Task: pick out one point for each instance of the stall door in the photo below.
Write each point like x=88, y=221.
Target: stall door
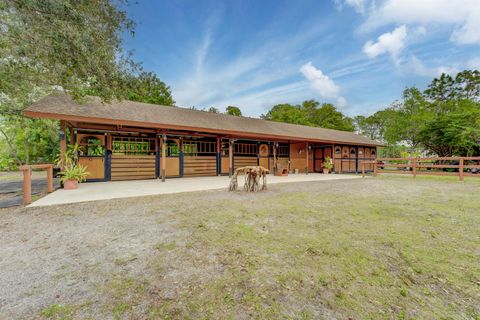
x=133, y=158
x=92, y=154
x=318, y=159
x=199, y=158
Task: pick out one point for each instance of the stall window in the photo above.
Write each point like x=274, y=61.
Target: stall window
x=91, y=146
x=199, y=148
x=133, y=146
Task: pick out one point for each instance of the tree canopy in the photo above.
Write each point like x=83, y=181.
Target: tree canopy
x=311, y=113
x=443, y=119
x=233, y=111
x=75, y=46
x=72, y=44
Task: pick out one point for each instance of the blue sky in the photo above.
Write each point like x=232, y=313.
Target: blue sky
x=357, y=54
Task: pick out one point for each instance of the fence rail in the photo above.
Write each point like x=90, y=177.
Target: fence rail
x=458, y=166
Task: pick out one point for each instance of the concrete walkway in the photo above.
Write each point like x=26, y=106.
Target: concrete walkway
x=125, y=189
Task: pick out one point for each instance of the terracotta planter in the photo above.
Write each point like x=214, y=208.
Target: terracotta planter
x=70, y=184
x=326, y=171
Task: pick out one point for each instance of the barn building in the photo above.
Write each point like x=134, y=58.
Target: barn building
x=126, y=140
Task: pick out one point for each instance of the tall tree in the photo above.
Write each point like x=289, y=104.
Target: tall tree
x=233, y=111
x=72, y=44
x=147, y=87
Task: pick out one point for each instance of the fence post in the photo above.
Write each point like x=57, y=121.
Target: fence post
x=27, y=185
x=50, y=178
x=375, y=170
x=414, y=167
x=460, y=170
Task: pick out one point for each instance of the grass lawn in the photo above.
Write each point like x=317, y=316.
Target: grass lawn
x=383, y=248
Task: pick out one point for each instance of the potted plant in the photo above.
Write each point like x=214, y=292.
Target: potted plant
x=327, y=165
x=72, y=175
x=72, y=172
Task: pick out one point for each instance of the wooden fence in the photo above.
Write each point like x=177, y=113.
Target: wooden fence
x=27, y=179
x=440, y=166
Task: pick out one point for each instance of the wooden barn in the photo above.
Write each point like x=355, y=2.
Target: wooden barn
x=131, y=140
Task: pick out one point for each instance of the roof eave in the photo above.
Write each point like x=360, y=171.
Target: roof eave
x=58, y=116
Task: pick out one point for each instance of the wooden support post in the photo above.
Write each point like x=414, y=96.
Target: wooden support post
x=230, y=158
x=375, y=169
x=27, y=185
x=363, y=169
x=219, y=157
x=50, y=178
x=157, y=161
x=414, y=167
x=332, y=156
x=63, y=143
x=72, y=135
x=164, y=157
x=274, y=158
x=306, y=156
x=460, y=170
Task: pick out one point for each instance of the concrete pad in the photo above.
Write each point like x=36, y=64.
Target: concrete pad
x=125, y=189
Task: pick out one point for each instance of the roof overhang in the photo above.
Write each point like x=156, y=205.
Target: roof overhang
x=163, y=126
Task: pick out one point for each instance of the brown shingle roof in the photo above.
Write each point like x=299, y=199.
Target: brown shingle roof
x=61, y=106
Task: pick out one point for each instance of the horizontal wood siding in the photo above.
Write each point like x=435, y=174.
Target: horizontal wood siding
x=244, y=161
x=199, y=166
x=126, y=167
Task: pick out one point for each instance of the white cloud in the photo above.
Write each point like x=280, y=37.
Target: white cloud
x=462, y=15
x=390, y=42
x=322, y=83
x=418, y=67
x=357, y=5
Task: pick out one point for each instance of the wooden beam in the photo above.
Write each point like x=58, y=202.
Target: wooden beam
x=164, y=156
x=306, y=156
x=274, y=158
x=230, y=157
x=332, y=156
x=219, y=157
x=63, y=142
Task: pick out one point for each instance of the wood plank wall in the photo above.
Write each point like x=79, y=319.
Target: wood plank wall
x=199, y=166
x=244, y=161
x=131, y=167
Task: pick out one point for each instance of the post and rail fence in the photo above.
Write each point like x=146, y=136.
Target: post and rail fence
x=449, y=166
x=27, y=179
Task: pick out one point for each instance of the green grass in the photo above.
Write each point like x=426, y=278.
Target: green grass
x=384, y=248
